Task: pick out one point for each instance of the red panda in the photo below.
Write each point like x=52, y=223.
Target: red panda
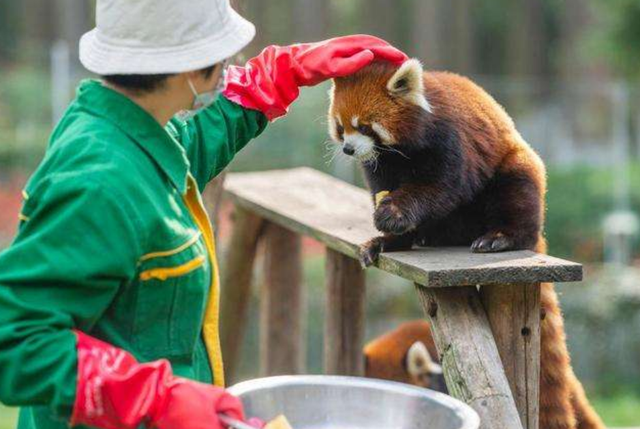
x=397, y=356
x=407, y=354
x=446, y=167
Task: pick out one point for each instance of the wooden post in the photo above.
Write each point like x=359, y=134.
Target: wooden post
x=469, y=355
x=281, y=336
x=514, y=315
x=236, y=285
x=344, y=318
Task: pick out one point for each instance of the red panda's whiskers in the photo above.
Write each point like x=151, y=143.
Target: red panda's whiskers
x=390, y=149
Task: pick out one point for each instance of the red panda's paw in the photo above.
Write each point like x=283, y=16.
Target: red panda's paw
x=494, y=241
x=370, y=251
x=391, y=219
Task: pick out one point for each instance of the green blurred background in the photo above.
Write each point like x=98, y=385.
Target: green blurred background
x=566, y=70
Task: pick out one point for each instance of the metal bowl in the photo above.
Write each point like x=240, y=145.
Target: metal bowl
x=329, y=402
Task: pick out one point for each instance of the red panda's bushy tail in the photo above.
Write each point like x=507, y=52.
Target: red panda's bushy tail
x=556, y=410
x=586, y=416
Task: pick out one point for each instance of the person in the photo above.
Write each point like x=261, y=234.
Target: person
x=109, y=291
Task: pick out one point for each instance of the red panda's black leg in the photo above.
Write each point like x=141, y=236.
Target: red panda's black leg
x=370, y=250
x=411, y=205
x=513, y=213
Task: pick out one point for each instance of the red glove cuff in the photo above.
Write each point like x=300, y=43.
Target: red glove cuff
x=113, y=390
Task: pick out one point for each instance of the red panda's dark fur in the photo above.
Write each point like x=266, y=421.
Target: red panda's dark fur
x=464, y=176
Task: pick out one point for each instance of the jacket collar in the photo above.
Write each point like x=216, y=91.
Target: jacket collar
x=134, y=121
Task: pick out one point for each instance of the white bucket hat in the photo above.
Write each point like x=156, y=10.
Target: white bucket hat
x=162, y=36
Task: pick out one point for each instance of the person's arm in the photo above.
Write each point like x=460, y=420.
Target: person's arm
x=215, y=135
x=75, y=248
x=263, y=90
x=78, y=244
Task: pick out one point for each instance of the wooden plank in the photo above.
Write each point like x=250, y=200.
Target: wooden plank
x=514, y=316
x=340, y=216
x=345, y=315
x=281, y=304
x=469, y=355
x=237, y=277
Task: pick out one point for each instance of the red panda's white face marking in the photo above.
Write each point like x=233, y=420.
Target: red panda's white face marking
x=360, y=146
x=385, y=135
x=360, y=138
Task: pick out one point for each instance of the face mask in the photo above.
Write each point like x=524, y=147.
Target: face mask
x=201, y=101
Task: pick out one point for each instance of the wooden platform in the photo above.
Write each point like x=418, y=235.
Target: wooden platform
x=340, y=216
x=484, y=309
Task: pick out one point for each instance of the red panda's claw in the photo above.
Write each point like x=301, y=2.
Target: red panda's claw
x=369, y=253
x=492, y=242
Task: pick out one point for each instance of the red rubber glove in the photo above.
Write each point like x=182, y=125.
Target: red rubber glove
x=270, y=82
x=114, y=391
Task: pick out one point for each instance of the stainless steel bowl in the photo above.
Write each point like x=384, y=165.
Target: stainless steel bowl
x=329, y=402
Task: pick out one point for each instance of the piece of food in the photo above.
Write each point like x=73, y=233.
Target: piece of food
x=279, y=422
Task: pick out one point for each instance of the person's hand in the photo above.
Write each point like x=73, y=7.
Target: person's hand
x=270, y=82
x=193, y=405
x=342, y=56
x=114, y=391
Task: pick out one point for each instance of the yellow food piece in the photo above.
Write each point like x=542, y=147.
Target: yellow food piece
x=279, y=422
x=379, y=196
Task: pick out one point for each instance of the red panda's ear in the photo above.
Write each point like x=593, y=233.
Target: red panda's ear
x=419, y=361
x=407, y=82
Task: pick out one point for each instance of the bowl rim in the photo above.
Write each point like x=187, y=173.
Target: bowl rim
x=468, y=415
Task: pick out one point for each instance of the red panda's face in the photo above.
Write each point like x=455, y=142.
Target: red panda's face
x=372, y=110
x=407, y=354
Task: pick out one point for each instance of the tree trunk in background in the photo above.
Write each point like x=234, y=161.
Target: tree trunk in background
x=527, y=47
x=37, y=25
x=72, y=19
x=380, y=18
x=576, y=22
x=426, y=37
x=526, y=52
x=463, y=58
x=310, y=20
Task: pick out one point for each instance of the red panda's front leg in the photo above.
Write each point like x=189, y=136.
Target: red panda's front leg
x=370, y=250
x=413, y=205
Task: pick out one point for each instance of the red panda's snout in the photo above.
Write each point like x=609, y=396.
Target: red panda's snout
x=368, y=108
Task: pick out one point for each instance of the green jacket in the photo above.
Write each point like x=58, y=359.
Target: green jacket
x=113, y=241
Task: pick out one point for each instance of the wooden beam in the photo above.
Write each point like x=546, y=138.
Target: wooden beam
x=469, y=355
x=237, y=278
x=344, y=315
x=281, y=304
x=339, y=215
x=514, y=316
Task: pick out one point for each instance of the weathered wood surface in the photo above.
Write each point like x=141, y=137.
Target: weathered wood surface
x=469, y=355
x=237, y=279
x=344, y=315
x=281, y=304
x=340, y=216
x=514, y=316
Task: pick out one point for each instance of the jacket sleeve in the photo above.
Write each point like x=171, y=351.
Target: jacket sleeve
x=75, y=247
x=214, y=136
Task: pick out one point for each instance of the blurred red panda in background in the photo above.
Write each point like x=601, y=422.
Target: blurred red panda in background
x=407, y=354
